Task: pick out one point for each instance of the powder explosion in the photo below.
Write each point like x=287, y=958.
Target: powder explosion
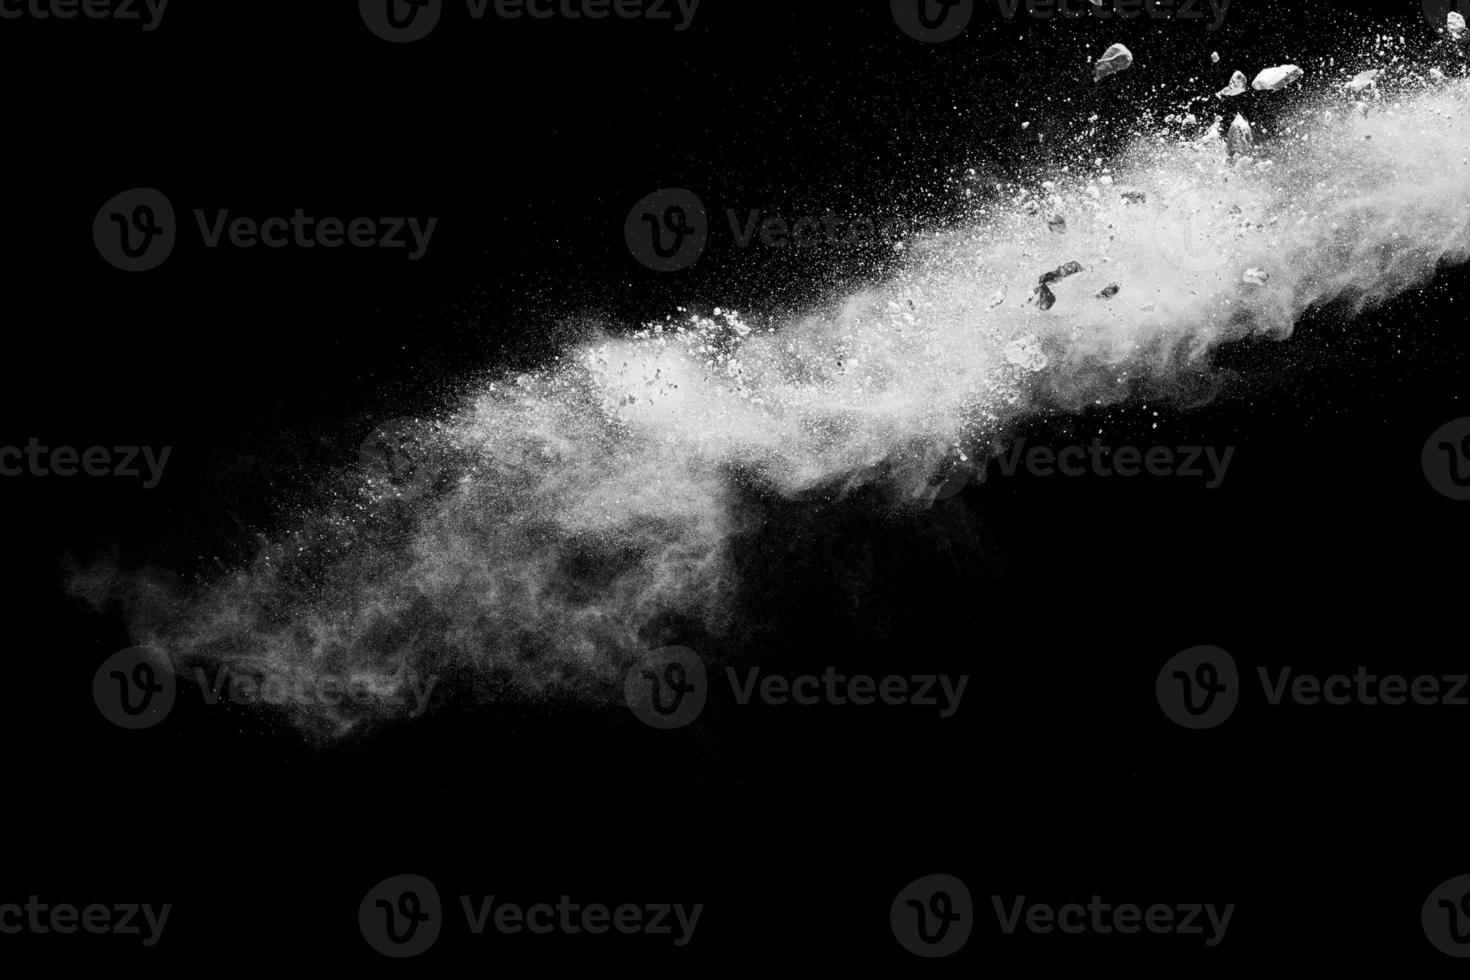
x=537, y=540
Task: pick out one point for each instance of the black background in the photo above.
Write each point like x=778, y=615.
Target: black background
x=1059, y=779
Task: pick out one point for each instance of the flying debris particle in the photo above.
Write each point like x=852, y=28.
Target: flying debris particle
x=1114, y=59
x=1256, y=277
x=1057, y=224
x=1276, y=79
x=1043, y=297
x=1109, y=292
x=1025, y=352
x=1236, y=87
x=1435, y=75
x=1215, y=58
x=1363, y=81
x=1455, y=25
x=1059, y=273
x=1135, y=197
x=1240, y=139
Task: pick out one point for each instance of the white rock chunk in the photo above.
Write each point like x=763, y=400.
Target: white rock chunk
x=1239, y=139
x=1276, y=79
x=1025, y=352
x=1114, y=59
x=1236, y=87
